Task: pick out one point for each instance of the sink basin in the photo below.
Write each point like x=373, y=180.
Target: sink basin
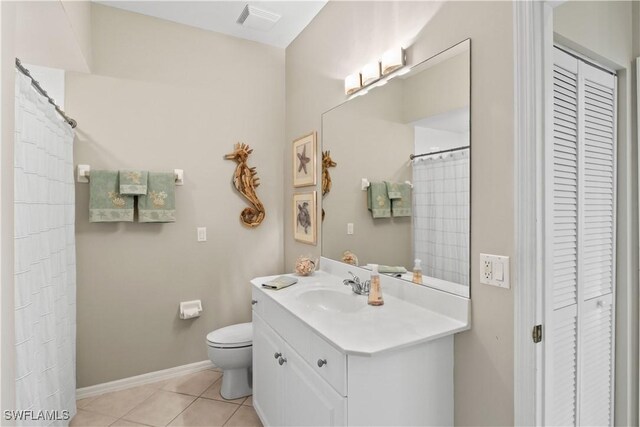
x=332, y=301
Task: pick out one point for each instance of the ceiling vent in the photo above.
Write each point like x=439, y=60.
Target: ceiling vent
x=258, y=19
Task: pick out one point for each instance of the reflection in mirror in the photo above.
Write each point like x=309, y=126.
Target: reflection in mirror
x=410, y=140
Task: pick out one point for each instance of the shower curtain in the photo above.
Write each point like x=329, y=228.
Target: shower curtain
x=441, y=215
x=45, y=261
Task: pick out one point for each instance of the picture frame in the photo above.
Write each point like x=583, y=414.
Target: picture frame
x=304, y=160
x=305, y=222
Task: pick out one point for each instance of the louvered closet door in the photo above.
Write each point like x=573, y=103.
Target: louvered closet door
x=580, y=246
x=561, y=305
x=598, y=247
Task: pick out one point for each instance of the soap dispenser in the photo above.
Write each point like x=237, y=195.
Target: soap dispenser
x=417, y=272
x=375, y=294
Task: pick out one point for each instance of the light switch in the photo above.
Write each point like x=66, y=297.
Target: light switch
x=494, y=270
x=202, y=234
x=349, y=228
x=498, y=271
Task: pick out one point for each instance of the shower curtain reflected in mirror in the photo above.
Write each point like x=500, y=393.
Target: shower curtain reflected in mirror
x=441, y=215
x=45, y=259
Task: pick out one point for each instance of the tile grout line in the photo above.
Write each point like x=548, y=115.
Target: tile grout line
x=231, y=416
x=94, y=398
x=109, y=415
x=222, y=398
x=128, y=421
x=188, y=406
x=135, y=407
x=194, y=400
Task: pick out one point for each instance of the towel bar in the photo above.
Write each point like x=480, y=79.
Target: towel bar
x=365, y=184
x=84, y=171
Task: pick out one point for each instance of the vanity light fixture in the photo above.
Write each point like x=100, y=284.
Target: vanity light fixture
x=352, y=83
x=377, y=73
x=392, y=60
x=370, y=73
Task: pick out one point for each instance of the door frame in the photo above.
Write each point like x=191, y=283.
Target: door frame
x=533, y=60
x=533, y=89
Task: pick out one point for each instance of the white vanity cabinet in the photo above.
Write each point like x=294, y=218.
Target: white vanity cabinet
x=369, y=367
x=286, y=390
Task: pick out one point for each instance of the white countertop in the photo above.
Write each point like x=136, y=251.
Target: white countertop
x=370, y=330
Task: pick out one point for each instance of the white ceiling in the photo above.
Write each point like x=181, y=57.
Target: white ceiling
x=221, y=16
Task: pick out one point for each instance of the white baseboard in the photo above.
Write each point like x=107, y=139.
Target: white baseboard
x=138, y=380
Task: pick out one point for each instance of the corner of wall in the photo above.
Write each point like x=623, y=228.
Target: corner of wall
x=79, y=17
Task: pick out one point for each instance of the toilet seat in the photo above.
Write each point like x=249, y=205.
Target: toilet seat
x=234, y=336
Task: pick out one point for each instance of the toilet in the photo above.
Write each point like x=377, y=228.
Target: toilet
x=229, y=349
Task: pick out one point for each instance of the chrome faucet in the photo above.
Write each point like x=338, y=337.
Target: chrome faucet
x=358, y=287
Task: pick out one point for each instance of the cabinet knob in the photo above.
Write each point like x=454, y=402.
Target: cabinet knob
x=276, y=355
x=254, y=301
x=322, y=362
x=282, y=361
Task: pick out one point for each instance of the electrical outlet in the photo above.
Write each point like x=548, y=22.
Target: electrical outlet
x=494, y=270
x=486, y=269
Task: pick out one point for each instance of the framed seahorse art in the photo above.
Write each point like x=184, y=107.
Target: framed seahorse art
x=304, y=160
x=304, y=217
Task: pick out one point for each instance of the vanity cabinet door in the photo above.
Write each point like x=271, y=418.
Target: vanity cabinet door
x=268, y=375
x=286, y=391
x=309, y=399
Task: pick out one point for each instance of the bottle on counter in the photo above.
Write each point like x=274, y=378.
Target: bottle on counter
x=417, y=272
x=375, y=293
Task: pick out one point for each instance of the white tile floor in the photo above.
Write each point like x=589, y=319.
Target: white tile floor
x=189, y=400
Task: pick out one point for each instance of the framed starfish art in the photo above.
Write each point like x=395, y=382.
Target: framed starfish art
x=304, y=160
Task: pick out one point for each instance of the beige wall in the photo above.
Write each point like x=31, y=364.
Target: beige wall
x=604, y=31
x=603, y=27
x=54, y=34
x=79, y=16
x=165, y=96
x=346, y=35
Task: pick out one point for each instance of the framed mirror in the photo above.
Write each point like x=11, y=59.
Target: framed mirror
x=401, y=188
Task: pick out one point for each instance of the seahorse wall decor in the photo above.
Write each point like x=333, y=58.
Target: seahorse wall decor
x=246, y=182
x=327, y=163
x=326, y=178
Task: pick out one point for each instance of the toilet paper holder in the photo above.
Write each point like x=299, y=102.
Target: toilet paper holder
x=190, y=309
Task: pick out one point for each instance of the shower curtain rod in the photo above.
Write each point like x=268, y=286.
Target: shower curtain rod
x=413, y=156
x=43, y=92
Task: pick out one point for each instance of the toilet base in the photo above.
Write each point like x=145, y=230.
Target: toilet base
x=236, y=383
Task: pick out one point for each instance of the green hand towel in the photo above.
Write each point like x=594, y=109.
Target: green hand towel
x=385, y=269
x=401, y=206
x=392, y=190
x=378, y=200
x=133, y=182
x=159, y=205
x=106, y=204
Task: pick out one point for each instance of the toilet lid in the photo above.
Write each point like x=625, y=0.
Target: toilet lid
x=239, y=335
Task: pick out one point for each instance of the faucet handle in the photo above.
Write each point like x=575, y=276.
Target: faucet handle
x=355, y=278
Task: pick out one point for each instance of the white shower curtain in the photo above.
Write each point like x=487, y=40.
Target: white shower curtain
x=45, y=260
x=441, y=215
